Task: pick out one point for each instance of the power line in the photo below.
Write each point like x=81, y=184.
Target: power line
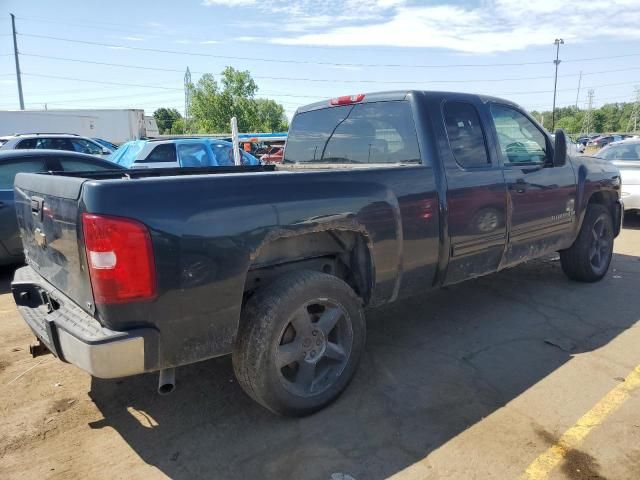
x=97, y=99
x=570, y=104
x=310, y=62
x=99, y=81
x=102, y=82
x=327, y=80
x=303, y=79
x=277, y=60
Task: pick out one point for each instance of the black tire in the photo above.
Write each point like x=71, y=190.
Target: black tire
x=276, y=346
x=588, y=259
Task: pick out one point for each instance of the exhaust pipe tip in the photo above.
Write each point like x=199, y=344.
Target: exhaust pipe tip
x=167, y=381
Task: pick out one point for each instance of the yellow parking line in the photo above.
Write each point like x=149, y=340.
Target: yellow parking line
x=542, y=466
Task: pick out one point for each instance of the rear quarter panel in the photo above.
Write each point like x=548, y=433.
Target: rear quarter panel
x=206, y=230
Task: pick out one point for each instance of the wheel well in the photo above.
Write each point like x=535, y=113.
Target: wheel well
x=344, y=254
x=608, y=199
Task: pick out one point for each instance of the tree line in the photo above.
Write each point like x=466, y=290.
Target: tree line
x=609, y=118
x=214, y=102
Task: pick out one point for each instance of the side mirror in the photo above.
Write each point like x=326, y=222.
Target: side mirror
x=560, y=149
x=106, y=151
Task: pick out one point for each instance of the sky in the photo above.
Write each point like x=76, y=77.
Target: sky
x=133, y=54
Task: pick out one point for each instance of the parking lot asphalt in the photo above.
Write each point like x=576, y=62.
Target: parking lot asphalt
x=522, y=374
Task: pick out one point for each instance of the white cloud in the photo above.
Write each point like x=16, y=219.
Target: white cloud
x=133, y=39
x=248, y=39
x=183, y=41
x=236, y=3
x=482, y=27
x=209, y=42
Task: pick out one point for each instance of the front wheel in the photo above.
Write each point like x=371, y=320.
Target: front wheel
x=588, y=259
x=299, y=342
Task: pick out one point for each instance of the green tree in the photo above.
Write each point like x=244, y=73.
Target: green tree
x=165, y=118
x=178, y=127
x=271, y=117
x=609, y=118
x=213, y=103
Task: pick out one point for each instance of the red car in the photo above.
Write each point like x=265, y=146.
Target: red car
x=273, y=155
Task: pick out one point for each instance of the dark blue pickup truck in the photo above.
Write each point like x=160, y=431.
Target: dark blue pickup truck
x=380, y=196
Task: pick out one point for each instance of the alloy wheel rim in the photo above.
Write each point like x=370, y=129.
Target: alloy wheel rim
x=600, y=247
x=314, y=347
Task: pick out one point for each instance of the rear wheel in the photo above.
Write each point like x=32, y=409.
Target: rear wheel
x=588, y=259
x=299, y=342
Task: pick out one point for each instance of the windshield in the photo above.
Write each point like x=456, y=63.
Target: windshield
x=629, y=151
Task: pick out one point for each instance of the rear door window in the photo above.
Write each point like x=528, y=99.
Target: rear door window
x=367, y=133
x=85, y=146
x=465, y=134
x=54, y=144
x=223, y=156
x=193, y=155
x=9, y=170
x=27, y=144
x=161, y=154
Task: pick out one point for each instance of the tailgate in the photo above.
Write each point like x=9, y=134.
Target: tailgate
x=48, y=212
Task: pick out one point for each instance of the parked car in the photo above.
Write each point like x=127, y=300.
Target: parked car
x=178, y=152
x=54, y=141
x=105, y=143
x=276, y=264
x=585, y=139
x=273, y=155
x=626, y=156
x=603, y=140
x=12, y=162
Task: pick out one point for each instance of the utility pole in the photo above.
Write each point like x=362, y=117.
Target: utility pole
x=578, y=94
x=587, y=122
x=15, y=53
x=187, y=98
x=634, y=119
x=557, y=42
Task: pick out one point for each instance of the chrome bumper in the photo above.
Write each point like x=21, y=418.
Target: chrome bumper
x=76, y=337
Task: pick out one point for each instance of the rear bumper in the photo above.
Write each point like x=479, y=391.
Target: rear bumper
x=76, y=337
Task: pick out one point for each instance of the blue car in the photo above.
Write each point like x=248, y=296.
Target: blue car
x=178, y=152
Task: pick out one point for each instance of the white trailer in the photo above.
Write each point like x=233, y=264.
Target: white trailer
x=115, y=125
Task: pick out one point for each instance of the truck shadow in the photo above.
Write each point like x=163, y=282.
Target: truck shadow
x=434, y=366
x=632, y=221
x=6, y=274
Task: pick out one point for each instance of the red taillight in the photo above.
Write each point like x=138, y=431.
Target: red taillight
x=347, y=99
x=120, y=259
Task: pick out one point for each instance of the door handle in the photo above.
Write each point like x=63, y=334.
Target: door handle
x=2, y=204
x=520, y=186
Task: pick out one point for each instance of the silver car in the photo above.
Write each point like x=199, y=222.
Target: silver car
x=54, y=141
x=626, y=156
